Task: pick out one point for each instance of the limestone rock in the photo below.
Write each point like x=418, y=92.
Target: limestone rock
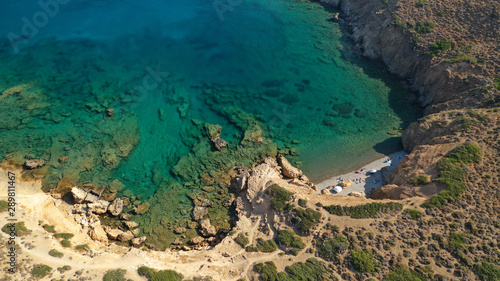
x=199, y=212
x=213, y=132
x=125, y=236
x=126, y=216
x=97, y=233
x=78, y=195
x=116, y=207
x=99, y=207
x=357, y=194
x=136, y=231
x=180, y=230
x=80, y=209
x=34, y=163
x=325, y=191
x=241, y=178
x=287, y=169
x=260, y=176
x=113, y=233
x=345, y=183
x=197, y=240
x=131, y=224
x=138, y=241
x=207, y=229
x=142, y=209
x=91, y=198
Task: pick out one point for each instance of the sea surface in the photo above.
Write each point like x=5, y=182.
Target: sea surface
x=277, y=76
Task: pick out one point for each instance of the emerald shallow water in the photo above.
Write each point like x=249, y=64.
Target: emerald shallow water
x=168, y=68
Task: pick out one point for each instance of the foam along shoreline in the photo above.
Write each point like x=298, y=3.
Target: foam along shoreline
x=370, y=180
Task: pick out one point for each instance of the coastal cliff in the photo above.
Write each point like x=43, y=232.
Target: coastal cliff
x=378, y=32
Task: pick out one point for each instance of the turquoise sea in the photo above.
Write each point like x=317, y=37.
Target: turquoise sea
x=277, y=76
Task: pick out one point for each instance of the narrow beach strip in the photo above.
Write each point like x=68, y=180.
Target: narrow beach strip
x=366, y=180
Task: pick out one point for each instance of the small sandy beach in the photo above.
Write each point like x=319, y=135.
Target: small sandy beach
x=370, y=180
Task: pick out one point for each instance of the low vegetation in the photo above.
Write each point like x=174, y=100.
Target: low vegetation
x=452, y=174
x=162, y=275
x=302, y=203
x=414, y=214
x=266, y=246
x=49, y=228
x=312, y=269
x=19, y=227
x=496, y=84
x=306, y=219
x=370, y=210
x=424, y=27
x=4, y=205
x=487, y=271
x=362, y=261
x=40, y=270
x=241, y=240
x=64, y=235
x=279, y=197
x=289, y=241
x=420, y=3
x=55, y=253
x=402, y=273
x=115, y=275
x=419, y=180
x=330, y=248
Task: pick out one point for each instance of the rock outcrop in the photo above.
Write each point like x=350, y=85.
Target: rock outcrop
x=116, y=207
x=287, y=169
x=207, y=229
x=34, y=163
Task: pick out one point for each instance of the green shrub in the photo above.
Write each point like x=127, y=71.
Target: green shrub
x=65, y=243
x=115, y=275
x=41, y=270
x=329, y=249
x=56, y=253
x=398, y=22
x=279, y=197
x=290, y=241
x=268, y=271
x=440, y=46
x=162, y=275
x=307, y=218
x=241, y=240
x=4, y=205
x=403, y=274
x=424, y=27
x=456, y=242
x=419, y=180
x=362, y=261
x=370, y=210
x=251, y=249
x=312, y=269
x=302, y=203
x=266, y=246
x=414, y=214
x=462, y=57
x=452, y=174
x=64, y=235
x=82, y=247
x=19, y=227
x=496, y=83
x=49, y=228
x=420, y=3
x=487, y=271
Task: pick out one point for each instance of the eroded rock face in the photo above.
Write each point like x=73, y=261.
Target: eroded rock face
x=131, y=224
x=34, y=163
x=125, y=236
x=197, y=240
x=261, y=175
x=207, y=229
x=138, y=241
x=213, y=132
x=97, y=233
x=116, y=207
x=287, y=169
x=78, y=195
x=113, y=233
x=99, y=207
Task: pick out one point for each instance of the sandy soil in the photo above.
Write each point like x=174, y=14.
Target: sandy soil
x=369, y=180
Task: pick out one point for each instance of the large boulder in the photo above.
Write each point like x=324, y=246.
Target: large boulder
x=199, y=212
x=97, y=233
x=138, y=241
x=113, y=233
x=116, y=207
x=197, y=240
x=34, y=163
x=126, y=236
x=99, y=207
x=78, y=195
x=287, y=169
x=207, y=229
x=131, y=224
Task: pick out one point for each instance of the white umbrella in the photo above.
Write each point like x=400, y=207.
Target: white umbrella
x=337, y=188
x=373, y=171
